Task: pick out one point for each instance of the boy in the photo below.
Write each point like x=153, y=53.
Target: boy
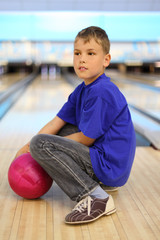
x=92, y=139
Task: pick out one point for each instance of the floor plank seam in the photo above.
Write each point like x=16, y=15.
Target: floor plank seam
x=146, y=215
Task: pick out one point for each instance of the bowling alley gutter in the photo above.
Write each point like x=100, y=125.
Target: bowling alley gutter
x=8, y=98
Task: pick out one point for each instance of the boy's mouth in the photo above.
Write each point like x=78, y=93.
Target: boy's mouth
x=82, y=68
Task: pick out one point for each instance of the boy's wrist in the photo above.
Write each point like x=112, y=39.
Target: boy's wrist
x=28, y=145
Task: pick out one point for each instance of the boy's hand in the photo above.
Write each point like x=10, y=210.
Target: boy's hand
x=24, y=149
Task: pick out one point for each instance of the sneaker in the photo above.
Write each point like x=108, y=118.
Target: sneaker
x=90, y=209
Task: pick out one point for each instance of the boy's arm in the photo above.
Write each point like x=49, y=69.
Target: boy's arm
x=81, y=138
x=53, y=126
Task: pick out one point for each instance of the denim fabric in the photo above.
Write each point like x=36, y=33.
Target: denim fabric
x=66, y=161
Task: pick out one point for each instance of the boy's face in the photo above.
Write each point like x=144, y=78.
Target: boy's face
x=89, y=60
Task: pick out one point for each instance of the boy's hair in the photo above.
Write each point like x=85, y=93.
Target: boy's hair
x=98, y=34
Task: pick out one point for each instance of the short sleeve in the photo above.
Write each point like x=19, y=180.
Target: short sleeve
x=97, y=117
x=67, y=112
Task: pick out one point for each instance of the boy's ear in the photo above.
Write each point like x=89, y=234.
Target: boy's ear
x=107, y=60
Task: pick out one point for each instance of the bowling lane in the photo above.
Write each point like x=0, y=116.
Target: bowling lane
x=39, y=104
x=11, y=87
x=142, y=96
x=144, y=102
x=9, y=79
x=144, y=78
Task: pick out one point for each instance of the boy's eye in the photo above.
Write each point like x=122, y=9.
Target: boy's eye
x=91, y=53
x=76, y=53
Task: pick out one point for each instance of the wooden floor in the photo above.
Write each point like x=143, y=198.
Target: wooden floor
x=138, y=202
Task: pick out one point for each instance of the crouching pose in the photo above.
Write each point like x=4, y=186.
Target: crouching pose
x=91, y=141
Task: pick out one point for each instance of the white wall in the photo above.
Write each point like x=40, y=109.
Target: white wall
x=78, y=5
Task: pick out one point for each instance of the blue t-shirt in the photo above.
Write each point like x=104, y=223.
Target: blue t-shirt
x=101, y=112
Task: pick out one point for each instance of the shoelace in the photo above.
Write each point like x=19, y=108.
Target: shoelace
x=83, y=204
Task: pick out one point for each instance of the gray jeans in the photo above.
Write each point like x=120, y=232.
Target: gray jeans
x=66, y=161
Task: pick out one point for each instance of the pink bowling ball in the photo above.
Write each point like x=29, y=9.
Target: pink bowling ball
x=27, y=178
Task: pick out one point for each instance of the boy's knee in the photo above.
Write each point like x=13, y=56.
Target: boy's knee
x=36, y=143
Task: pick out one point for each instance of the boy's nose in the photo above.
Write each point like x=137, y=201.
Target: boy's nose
x=82, y=60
